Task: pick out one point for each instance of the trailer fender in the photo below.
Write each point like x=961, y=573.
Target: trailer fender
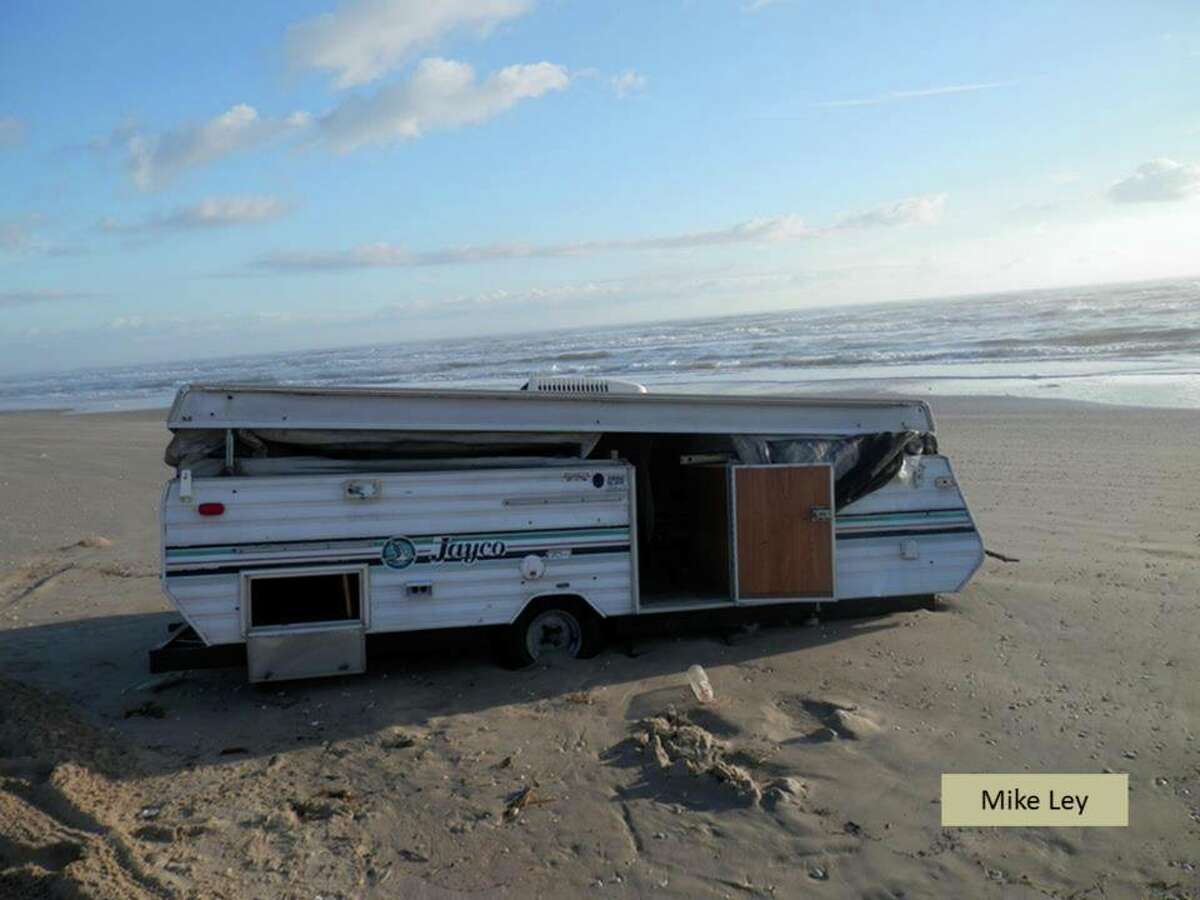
x=545, y=597
x=560, y=622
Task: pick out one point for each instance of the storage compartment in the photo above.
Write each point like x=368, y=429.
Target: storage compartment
x=279, y=656
x=712, y=531
x=302, y=599
x=683, y=518
x=305, y=623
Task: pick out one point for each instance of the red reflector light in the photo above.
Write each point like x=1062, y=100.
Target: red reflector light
x=210, y=509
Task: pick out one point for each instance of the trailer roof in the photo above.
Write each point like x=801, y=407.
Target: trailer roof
x=451, y=409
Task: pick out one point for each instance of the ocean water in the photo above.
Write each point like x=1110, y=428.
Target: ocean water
x=1136, y=344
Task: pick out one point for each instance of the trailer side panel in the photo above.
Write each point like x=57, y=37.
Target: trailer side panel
x=442, y=549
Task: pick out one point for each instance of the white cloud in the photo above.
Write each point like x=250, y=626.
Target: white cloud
x=914, y=210
x=156, y=159
x=365, y=39
x=40, y=295
x=217, y=212
x=923, y=210
x=12, y=131
x=385, y=255
x=209, y=213
x=441, y=94
x=900, y=96
x=23, y=235
x=610, y=293
x=1158, y=181
x=628, y=82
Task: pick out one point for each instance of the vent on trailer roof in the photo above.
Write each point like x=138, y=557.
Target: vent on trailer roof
x=566, y=384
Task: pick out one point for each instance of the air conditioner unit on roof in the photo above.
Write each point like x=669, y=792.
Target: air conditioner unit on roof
x=570, y=384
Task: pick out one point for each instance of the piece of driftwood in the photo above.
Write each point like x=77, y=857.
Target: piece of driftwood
x=159, y=683
x=1000, y=556
x=521, y=799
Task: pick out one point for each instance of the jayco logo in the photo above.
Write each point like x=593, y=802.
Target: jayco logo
x=399, y=553
x=451, y=550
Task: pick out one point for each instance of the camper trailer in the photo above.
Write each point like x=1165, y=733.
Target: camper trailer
x=301, y=521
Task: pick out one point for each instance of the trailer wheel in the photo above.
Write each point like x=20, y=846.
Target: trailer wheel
x=553, y=628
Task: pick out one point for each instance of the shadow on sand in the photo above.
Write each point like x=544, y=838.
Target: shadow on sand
x=211, y=716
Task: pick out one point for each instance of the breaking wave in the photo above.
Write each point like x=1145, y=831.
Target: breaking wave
x=1147, y=334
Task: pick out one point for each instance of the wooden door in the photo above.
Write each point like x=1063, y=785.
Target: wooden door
x=784, y=520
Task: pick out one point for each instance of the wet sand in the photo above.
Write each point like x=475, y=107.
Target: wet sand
x=818, y=763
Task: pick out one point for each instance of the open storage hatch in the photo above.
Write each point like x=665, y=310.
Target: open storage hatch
x=305, y=622
x=742, y=534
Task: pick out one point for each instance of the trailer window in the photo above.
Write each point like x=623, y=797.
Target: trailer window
x=303, y=599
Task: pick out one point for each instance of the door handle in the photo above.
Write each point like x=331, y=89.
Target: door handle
x=820, y=514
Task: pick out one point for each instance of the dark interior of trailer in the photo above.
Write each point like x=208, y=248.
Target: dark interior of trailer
x=304, y=599
x=682, y=511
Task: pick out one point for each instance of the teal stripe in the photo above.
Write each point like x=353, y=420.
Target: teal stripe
x=576, y=534
x=890, y=517
x=900, y=520
x=890, y=523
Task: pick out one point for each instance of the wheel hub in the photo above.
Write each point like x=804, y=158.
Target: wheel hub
x=554, y=632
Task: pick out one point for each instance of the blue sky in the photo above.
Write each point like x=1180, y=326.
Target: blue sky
x=183, y=180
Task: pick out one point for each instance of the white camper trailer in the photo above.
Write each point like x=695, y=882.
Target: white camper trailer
x=302, y=520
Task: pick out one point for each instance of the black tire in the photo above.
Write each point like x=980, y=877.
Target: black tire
x=553, y=627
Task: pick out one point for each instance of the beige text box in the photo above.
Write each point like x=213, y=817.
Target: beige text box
x=983, y=799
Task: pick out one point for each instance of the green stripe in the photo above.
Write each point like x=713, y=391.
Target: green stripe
x=888, y=517
x=573, y=533
x=889, y=523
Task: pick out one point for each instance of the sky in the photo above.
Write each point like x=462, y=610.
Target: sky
x=183, y=181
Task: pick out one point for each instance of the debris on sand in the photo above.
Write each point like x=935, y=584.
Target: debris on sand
x=521, y=799
x=93, y=542
x=126, y=570
x=396, y=739
x=700, y=685
x=311, y=810
x=159, y=683
x=155, y=834
x=676, y=744
x=29, y=579
x=149, y=710
x=517, y=802
x=854, y=725
x=740, y=633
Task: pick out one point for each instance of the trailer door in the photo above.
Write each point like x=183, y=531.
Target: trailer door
x=783, y=532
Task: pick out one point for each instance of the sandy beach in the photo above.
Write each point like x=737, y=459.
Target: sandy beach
x=1078, y=657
